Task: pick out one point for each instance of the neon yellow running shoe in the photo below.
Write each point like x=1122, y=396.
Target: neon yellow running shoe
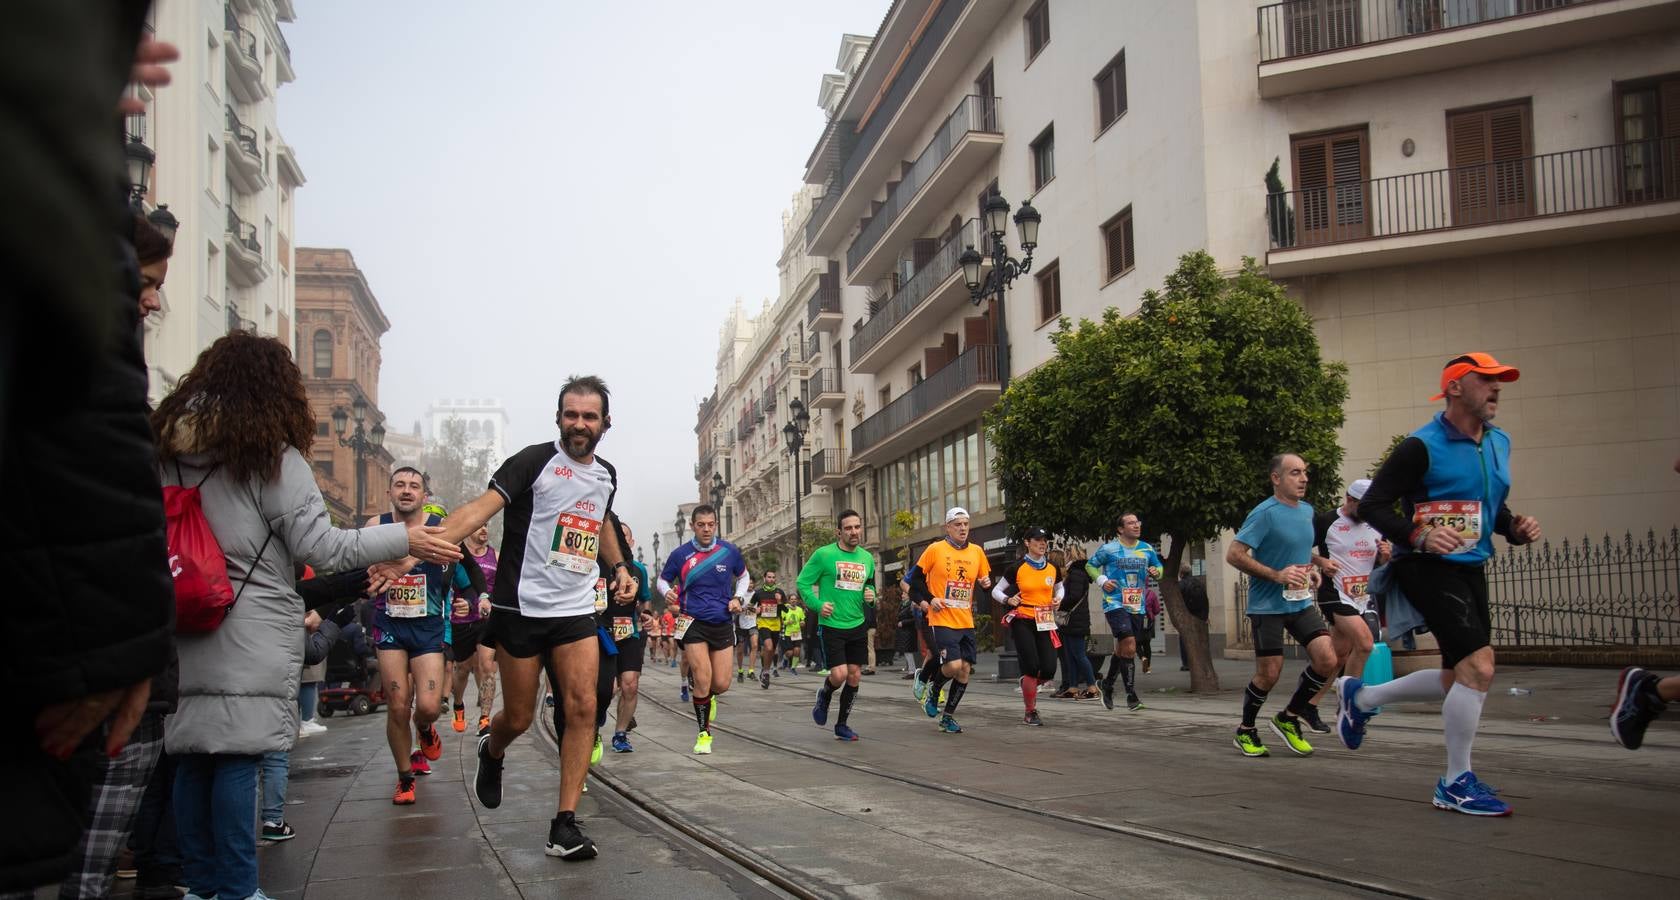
x=1290, y=730
x=595, y=754
x=703, y=743
x=1248, y=742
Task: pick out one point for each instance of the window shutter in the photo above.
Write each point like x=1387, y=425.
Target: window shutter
x=1312, y=179
x=1508, y=148
x=1668, y=102
x=1488, y=152
x=1105, y=99
x=1467, y=156
x=1347, y=159
x=1117, y=236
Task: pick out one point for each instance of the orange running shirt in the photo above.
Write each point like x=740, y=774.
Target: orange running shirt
x=951, y=575
x=1037, y=587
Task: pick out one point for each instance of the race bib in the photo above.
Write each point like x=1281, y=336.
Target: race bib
x=1295, y=595
x=848, y=576
x=1045, y=618
x=600, y=594
x=1461, y=516
x=683, y=621
x=576, y=541
x=406, y=598
x=959, y=594
x=1355, y=585
x=767, y=610
x=623, y=627
x=1132, y=599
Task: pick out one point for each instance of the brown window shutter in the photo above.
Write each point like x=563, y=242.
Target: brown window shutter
x=977, y=330
x=1127, y=256
x=1487, y=150
x=1312, y=180
x=922, y=251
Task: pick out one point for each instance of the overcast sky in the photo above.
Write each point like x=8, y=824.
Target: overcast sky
x=538, y=189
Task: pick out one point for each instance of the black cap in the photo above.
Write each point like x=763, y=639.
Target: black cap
x=1036, y=532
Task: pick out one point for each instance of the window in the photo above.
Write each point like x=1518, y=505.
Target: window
x=1330, y=176
x=1049, y=293
x=1314, y=26
x=1488, y=151
x=324, y=466
x=885, y=396
x=321, y=429
x=1044, y=158
x=323, y=354
x=1037, y=26
x=1111, y=92
x=915, y=374
x=1648, y=126
x=1117, y=245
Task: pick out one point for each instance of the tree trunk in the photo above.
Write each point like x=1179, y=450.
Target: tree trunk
x=1192, y=632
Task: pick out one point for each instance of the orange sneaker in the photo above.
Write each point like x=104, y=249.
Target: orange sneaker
x=431, y=744
x=483, y=725
x=460, y=720
x=405, y=793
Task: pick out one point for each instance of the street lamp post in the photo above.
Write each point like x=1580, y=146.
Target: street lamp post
x=681, y=523
x=656, y=549
x=137, y=160
x=794, y=434
x=363, y=441
x=1004, y=269
x=718, y=487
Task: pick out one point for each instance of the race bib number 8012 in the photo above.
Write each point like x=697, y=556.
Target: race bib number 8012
x=577, y=539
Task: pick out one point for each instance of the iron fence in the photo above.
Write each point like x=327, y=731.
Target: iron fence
x=1304, y=27
x=1588, y=594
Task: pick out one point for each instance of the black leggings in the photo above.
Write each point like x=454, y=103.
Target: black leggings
x=604, y=678
x=1034, y=648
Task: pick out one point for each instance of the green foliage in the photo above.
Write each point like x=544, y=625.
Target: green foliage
x=816, y=533
x=901, y=524
x=1393, y=442
x=1174, y=412
x=763, y=562
x=985, y=639
x=1278, y=214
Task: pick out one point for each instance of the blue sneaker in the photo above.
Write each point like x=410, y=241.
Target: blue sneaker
x=918, y=687
x=1468, y=795
x=844, y=733
x=1350, y=720
x=819, y=712
x=685, y=693
x=949, y=725
x=621, y=743
x=930, y=705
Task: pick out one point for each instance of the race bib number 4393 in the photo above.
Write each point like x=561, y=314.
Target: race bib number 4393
x=576, y=541
x=1461, y=516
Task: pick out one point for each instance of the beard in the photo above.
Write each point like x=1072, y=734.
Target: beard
x=405, y=507
x=572, y=437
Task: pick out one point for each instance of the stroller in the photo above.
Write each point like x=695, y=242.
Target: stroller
x=352, y=682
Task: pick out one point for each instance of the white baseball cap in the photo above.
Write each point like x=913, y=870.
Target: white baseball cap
x=1358, y=488
x=955, y=513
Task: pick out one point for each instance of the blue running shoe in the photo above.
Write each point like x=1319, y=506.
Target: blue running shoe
x=949, y=725
x=819, y=712
x=931, y=705
x=1350, y=720
x=621, y=743
x=918, y=687
x=685, y=693
x=1468, y=795
x=844, y=733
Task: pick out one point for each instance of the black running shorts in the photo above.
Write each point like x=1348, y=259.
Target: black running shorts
x=1303, y=626
x=526, y=636
x=845, y=646
x=1453, y=601
x=715, y=635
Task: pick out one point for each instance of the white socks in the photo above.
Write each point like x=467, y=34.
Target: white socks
x=1419, y=686
x=1460, y=715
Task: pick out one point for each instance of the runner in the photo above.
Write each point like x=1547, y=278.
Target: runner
x=1122, y=568
x=629, y=626
x=746, y=643
x=709, y=576
x=793, y=624
x=466, y=628
x=767, y=603
x=1450, y=479
x=836, y=582
x=943, y=582
x=667, y=625
x=1641, y=696
x=1356, y=548
x=1274, y=548
x=412, y=629
x=1030, y=589
x=556, y=496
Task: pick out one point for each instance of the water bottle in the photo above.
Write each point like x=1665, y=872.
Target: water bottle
x=1519, y=692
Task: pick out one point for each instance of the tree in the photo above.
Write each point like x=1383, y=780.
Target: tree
x=458, y=471
x=1175, y=413
x=816, y=533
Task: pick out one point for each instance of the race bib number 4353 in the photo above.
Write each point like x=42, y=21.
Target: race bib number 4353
x=1461, y=516
x=577, y=539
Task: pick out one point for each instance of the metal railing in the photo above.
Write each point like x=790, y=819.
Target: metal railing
x=242, y=37
x=917, y=289
x=825, y=300
x=827, y=461
x=862, y=142
x=280, y=39
x=244, y=135
x=1304, y=27
x=1587, y=594
x=974, y=114
x=823, y=381
x=813, y=347
x=1551, y=184
x=975, y=366
x=243, y=232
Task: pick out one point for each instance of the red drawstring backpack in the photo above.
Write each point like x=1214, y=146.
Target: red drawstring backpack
x=203, y=594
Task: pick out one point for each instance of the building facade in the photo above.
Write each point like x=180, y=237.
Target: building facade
x=226, y=173
x=339, y=323
x=484, y=419
x=1452, y=174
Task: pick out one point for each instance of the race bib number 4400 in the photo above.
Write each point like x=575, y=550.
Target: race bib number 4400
x=577, y=539
x=848, y=576
x=1461, y=516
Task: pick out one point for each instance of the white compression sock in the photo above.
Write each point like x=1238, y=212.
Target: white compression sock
x=1424, y=684
x=1461, y=713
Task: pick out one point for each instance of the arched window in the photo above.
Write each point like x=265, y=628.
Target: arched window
x=472, y=428
x=323, y=354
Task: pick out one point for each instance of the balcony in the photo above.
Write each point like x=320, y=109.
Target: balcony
x=968, y=139
x=283, y=71
x=1315, y=45
x=244, y=65
x=813, y=349
x=828, y=468
x=823, y=389
x=244, y=156
x=245, y=254
x=931, y=293
x=944, y=400
x=859, y=153
x=1568, y=197
x=822, y=311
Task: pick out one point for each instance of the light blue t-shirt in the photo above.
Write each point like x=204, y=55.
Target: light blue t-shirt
x=1280, y=535
x=1128, y=568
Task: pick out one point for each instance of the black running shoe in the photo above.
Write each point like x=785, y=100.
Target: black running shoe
x=487, y=780
x=1637, y=703
x=1108, y=694
x=1310, y=717
x=566, y=840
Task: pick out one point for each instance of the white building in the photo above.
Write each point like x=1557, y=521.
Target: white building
x=1498, y=175
x=485, y=421
x=226, y=173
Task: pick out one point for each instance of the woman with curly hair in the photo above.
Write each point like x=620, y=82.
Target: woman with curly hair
x=238, y=426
